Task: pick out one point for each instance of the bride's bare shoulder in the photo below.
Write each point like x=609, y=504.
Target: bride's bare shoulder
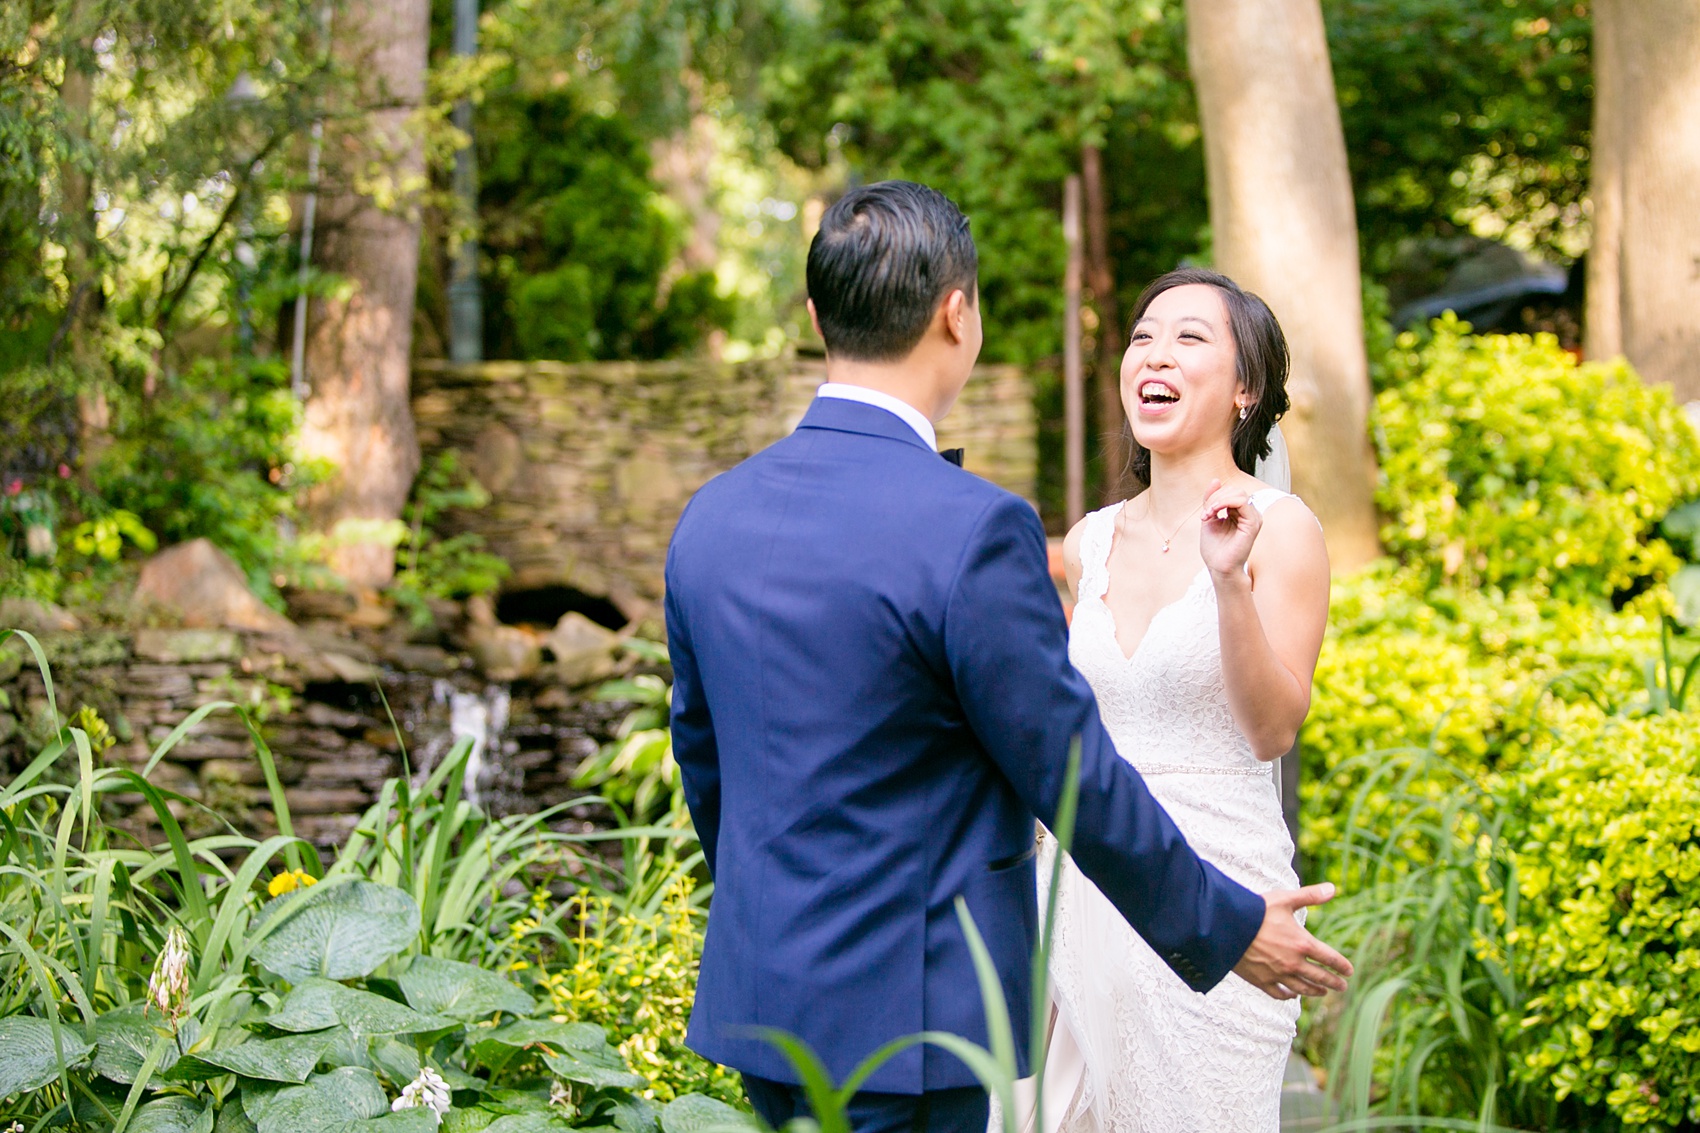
x=1293, y=534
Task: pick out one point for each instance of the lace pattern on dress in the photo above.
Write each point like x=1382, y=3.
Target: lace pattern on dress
x=1157, y=1056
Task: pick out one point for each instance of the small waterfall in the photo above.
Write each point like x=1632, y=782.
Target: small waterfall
x=482, y=717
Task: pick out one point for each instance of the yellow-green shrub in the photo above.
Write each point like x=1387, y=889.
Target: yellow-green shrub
x=1461, y=671
x=1604, y=831
x=1506, y=463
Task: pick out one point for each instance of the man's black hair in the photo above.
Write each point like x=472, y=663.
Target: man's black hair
x=886, y=255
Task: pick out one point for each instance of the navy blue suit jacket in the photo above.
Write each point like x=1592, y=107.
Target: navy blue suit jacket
x=872, y=700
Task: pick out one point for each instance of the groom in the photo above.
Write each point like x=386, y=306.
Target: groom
x=872, y=700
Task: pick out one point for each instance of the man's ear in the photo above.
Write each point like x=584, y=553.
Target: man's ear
x=954, y=311
x=814, y=319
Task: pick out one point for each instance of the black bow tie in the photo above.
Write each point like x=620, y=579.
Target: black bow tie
x=954, y=455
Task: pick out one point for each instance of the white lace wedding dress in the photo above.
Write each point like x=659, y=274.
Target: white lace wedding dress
x=1134, y=1050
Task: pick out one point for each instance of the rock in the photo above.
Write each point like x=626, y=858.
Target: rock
x=348, y=670
x=203, y=587
x=191, y=646
x=308, y=604
x=583, y=651
x=504, y=653
x=36, y=617
x=481, y=610
x=411, y=658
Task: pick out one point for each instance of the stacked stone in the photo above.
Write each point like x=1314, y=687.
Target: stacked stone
x=589, y=465
x=319, y=713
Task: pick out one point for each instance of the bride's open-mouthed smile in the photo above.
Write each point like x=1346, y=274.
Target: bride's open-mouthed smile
x=1179, y=376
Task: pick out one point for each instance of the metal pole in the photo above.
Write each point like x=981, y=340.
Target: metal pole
x=309, y=214
x=1074, y=392
x=466, y=312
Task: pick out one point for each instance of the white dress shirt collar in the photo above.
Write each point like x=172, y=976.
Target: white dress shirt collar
x=910, y=416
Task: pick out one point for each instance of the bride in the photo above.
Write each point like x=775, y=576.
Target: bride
x=1202, y=604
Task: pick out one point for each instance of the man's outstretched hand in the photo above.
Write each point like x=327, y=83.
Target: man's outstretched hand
x=1285, y=961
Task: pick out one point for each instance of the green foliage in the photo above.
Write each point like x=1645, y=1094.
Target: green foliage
x=1607, y=942
x=429, y=565
x=176, y=988
x=1507, y=464
x=1460, y=114
x=637, y=770
x=577, y=236
x=1421, y=1030
x=958, y=96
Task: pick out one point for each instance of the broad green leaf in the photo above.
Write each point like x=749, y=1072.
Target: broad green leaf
x=325, y=1103
x=167, y=1115
x=27, y=1058
x=526, y=1123
x=419, y=1120
x=473, y=1120
x=395, y=1060
x=317, y=1004
x=461, y=991
x=233, y=1118
x=600, y=1069
x=633, y=1114
x=337, y=932
x=288, y=1059
x=499, y=1046
x=123, y=1039
x=699, y=1113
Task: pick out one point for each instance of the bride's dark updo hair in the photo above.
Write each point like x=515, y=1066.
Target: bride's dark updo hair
x=1260, y=358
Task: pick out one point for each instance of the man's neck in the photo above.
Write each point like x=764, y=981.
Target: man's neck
x=902, y=380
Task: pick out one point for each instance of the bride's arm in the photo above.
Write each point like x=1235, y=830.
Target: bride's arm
x=1272, y=621
x=1071, y=558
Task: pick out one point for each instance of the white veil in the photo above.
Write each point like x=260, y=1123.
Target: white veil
x=1276, y=469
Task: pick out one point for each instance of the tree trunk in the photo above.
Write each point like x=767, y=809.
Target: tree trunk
x=1644, y=266
x=82, y=252
x=1284, y=227
x=358, y=414
x=1112, y=343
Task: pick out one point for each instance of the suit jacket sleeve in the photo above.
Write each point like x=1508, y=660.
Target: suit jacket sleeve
x=694, y=746
x=1006, y=643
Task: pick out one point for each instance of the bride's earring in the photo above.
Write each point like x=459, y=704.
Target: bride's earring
x=1245, y=411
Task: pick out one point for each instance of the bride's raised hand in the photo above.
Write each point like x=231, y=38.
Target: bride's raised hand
x=1230, y=528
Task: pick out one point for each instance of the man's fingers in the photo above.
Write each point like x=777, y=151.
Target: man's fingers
x=1302, y=898
x=1330, y=960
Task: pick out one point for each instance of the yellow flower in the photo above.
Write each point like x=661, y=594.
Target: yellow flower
x=289, y=881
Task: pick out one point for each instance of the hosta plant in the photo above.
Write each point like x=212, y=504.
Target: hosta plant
x=230, y=985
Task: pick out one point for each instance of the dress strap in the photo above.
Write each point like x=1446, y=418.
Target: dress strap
x=1095, y=541
x=1266, y=498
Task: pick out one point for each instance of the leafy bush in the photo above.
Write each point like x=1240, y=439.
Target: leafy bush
x=211, y=453
x=1602, y=836
x=181, y=988
x=1465, y=673
x=578, y=239
x=1507, y=464
x=431, y=565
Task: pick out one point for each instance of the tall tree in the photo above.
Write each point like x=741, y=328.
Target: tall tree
x=358, y=414
x=1281, y=212
x=1644, y=267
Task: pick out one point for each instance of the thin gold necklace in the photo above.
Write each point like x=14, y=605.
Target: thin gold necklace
x=1151, y=516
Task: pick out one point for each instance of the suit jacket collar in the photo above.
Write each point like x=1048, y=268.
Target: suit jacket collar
x=844, y=416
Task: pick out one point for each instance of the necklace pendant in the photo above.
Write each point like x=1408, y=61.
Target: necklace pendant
x=1165, y=548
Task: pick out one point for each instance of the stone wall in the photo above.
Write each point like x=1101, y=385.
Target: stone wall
x=589, y=465
x=315, y=691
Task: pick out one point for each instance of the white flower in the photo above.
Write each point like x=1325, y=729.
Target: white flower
x=559, y=1094
x=428, y=1090
x=168, y=987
